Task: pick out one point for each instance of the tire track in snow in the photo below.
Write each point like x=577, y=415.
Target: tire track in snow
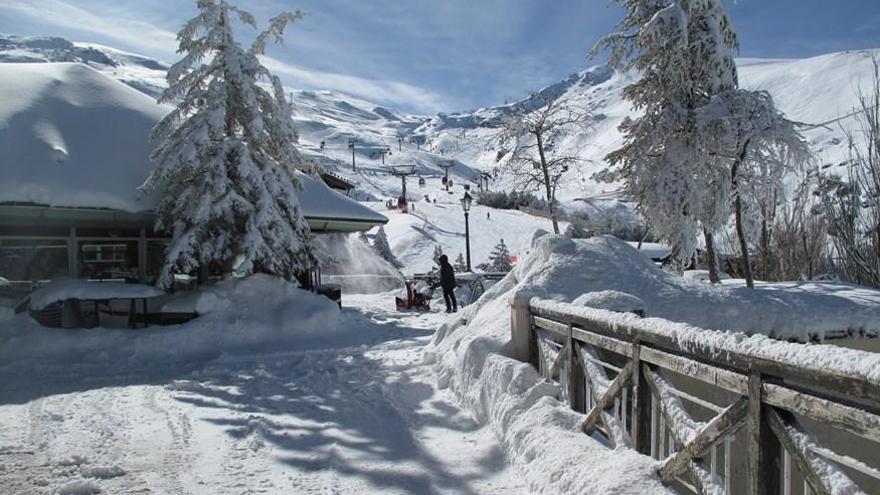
x=177, y=457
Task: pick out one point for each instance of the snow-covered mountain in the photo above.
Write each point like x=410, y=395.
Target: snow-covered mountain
x=142, y=73
x=821, y=92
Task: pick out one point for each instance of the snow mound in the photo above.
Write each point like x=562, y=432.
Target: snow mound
x=256, y=314
x=471, y=354
x=521, y=407
x=80, y=487
x=103, y=472
x=562, y=269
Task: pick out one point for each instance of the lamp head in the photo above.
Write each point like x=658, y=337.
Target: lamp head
x=466, y=202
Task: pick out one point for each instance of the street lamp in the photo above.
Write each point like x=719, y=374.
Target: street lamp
x=466, y=206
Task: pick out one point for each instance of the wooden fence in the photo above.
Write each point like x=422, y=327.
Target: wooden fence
x=718, y=422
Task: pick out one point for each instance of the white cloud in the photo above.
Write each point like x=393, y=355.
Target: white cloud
x=132, y=32
x=388, y=92
x=154, y=40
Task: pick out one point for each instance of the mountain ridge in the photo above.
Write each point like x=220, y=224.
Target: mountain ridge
x=812, y=90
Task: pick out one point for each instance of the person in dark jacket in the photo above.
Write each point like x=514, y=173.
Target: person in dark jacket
x=447, y=283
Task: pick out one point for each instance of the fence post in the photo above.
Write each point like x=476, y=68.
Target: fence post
x=521, y=339
x=641, y=413
x=576, y=381
x=763, y=446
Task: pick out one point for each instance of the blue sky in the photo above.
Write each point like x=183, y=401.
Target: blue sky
x=441, y=55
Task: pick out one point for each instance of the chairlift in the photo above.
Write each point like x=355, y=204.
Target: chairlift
x=421, y=182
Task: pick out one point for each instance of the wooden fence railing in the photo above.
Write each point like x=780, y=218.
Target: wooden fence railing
x=731, y=422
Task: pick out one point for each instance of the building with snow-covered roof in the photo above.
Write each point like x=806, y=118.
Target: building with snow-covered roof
x=74, y=147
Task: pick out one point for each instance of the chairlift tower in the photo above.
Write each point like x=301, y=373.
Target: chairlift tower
x=403, y=171
x=485, y=177
x=385, y=150
x=351, y=144
x=446, y=165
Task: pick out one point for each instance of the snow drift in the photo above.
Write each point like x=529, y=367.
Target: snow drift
x=256, y=314
x=472, y=358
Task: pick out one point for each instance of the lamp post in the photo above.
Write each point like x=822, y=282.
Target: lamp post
x=466, y=206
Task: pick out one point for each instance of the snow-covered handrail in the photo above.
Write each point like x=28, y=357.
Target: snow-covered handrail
x=767, y=386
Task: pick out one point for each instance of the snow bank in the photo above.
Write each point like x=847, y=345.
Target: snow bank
x=471, y=354
x=561, y=269
x=259, y=313
x=540, y=434
x=80, y=487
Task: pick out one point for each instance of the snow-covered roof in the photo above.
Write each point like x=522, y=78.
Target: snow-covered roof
x=321, y=202
x=73, y=137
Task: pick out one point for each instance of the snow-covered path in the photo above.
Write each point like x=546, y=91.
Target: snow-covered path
x=344, y=420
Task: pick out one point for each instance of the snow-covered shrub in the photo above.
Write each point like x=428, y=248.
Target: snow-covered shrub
x=460, y=265
x=499, y=259
x=793, y=241
x=512, y=200
x=852, y=204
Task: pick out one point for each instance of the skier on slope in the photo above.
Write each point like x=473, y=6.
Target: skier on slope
x=447, y=283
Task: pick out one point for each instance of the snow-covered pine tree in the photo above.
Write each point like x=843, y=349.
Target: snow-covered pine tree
x=460, y=265
x=499, y=259
x=225, y=167
x=683, y=51
x=438, y=251
x=383, y=248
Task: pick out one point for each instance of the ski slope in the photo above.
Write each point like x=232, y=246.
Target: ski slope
x=413, y=236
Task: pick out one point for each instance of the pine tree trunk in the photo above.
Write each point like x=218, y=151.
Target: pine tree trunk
x=711, y=258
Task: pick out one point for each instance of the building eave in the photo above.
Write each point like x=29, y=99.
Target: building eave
x=53, y=216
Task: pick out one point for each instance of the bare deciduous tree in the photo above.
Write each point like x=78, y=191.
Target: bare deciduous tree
x=531, y=132
x=852, y=203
